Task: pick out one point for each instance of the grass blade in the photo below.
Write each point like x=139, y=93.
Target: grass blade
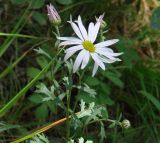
x=16, y=30
x=22, y=92
x=151, y=98
x=10, y=67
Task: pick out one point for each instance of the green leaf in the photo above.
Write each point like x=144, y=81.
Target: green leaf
x=41, y=112
x=85, y=97
x=37, y=3
x=32, y=72
x=105, y=99
x=151, y=98
x=36, y=98
x=40, y=18
x=64, y=2
x=113, y=77
x=104, y=113
x=52, y=106
x=41, y=60
x=92, y=81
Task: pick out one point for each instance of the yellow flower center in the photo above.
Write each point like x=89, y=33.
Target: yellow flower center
x=89, y=46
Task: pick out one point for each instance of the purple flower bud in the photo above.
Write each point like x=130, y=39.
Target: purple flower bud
x=53, y=15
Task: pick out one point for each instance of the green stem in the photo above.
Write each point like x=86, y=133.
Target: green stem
x=80, y=80
x=101, y=35
x=68, y=107
x=67, y=115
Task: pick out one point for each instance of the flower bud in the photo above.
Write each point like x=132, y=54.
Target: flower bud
x=126, y=124
x=103, y=24
x=53, y=15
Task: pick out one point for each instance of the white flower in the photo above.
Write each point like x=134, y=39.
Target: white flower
x=85, y=44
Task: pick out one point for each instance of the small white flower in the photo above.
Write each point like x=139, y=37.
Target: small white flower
x=85, y=43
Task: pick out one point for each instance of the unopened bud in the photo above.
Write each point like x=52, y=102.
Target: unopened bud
x=126, y=124
x=53, y=15
x=103, y=24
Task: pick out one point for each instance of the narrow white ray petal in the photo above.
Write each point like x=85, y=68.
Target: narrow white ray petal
x=65, y=43
x=78, y=60
x=117, y=59
x=106, y=60
x=70, y=53
x=110, y=51
x=106, y=43
x=82, y=28
x=95, y=68
x=85, y=60
x=107, y=53
x=91, y=32
x=98, y=60
x=96, y=29
x=76, y=29
x=79, y=47
x=72, y=39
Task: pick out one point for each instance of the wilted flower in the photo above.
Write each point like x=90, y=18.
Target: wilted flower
x=99, y=52
x=126, y=124
x=102, y=22
x=53, y=15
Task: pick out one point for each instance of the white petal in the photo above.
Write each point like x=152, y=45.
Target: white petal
x=106, y=53
x=82, y=28
x=78, y=60
x=95, y=31
x=76, y=29
x=98, y=60
x=85, y=60
x=95, y=68
x=106, y=43
x=106, y=60
x=65, y=43
x=91, y=32
x=79, y=47
x=70, y=53
x=72, y=39
x=110, y=51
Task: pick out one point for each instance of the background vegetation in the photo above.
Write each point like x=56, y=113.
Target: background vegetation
x=129, y=89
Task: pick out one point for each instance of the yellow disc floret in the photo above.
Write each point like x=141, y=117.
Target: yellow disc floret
x=89, y=46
